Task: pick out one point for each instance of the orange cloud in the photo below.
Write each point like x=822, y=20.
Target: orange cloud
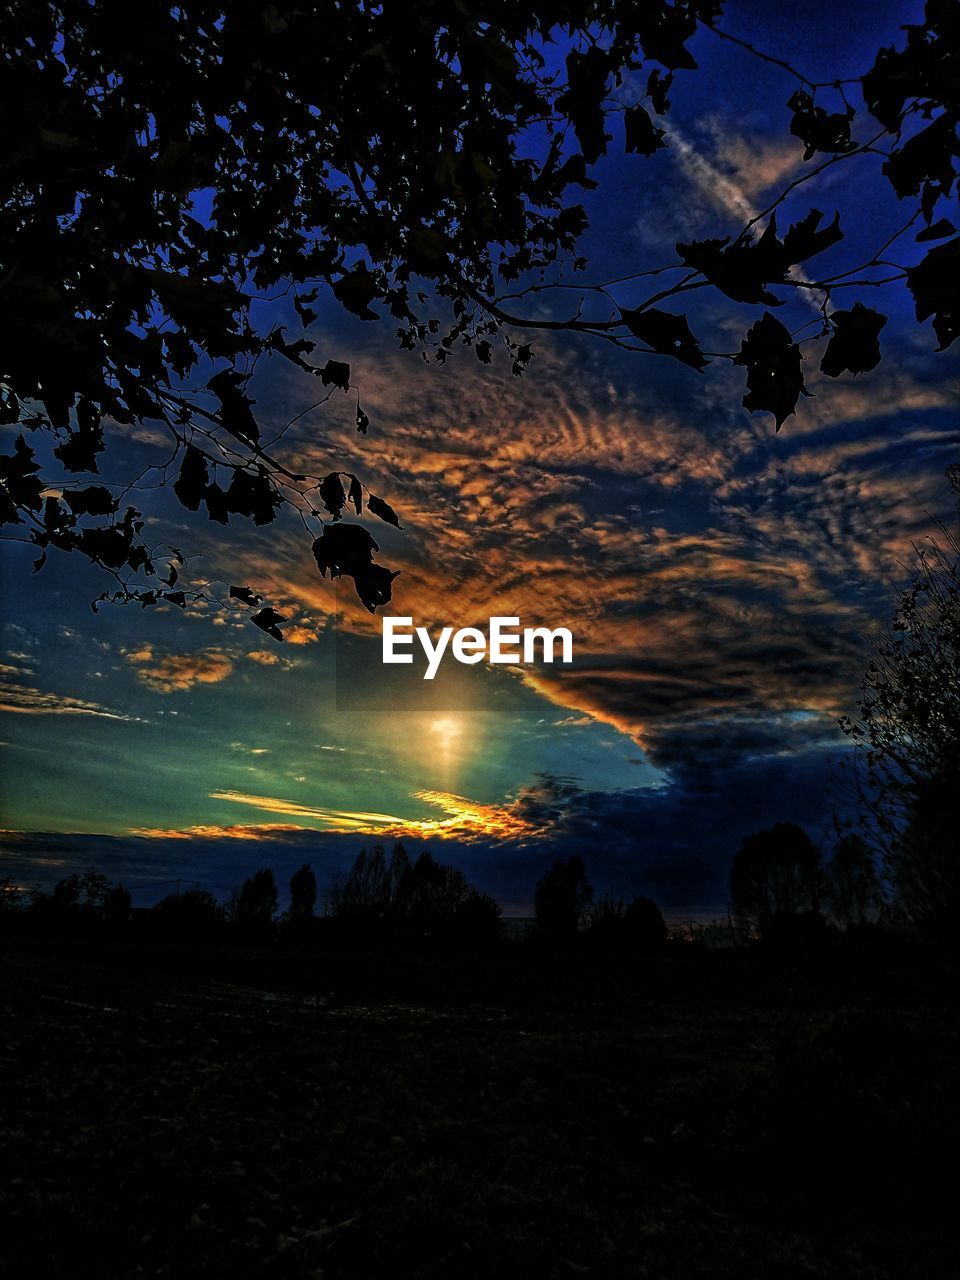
x=175, y=672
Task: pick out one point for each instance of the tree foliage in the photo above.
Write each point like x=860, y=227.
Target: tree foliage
x=303, y=893
x=561, y=899
x=906, y=769
x=397, y=897
x=776, y=874
x=255, y=906
x=170, y=167
x=852, y=885
x=636, y=927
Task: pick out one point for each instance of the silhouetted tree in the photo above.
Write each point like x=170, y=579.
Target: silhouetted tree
x=852, y=885
x=303, y=893
x=11, y=896
x=193, y=916
x=255, y=905
x=561, y=899
x=116, y=906
x=369, y=889
x=13, y=901
x=645, y=926
x=775, y=875
x=397, y=897
x=172, y=170
x=906, y=767
x=476, y=921
x=80, y=902
x=637, y=928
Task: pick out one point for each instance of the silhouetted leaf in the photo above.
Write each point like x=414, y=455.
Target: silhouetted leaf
x=383, y=510
x=268, y=620
x=254, y=495
x=9, y=406
x=374, y=585
x=244, y=594
x=235, y=412
x=938, y=230
x=818, y=129
x=356, y=289
x=218, y=506
x=292, y=351
x=346, y=550
x=927, y=156
x=356, y=494
x=192, y=482
x=112, y=547
x=666, y=333
x=79, y=451
x=663, y=30
x=854, y=345
x=19, y=485
x=95, y=501
x=658, y=86
x=742, y=270
x=587, y=75
x=774, y=369
x=806, y=238
x=332, y=494
x=642, y=135
x=336, y=373
x=363, y=422
x=300, y=301
x=343, y=548
x=933, y=283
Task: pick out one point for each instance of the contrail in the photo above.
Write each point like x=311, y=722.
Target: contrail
x=724, y=192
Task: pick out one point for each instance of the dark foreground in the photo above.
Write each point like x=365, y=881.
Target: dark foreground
x=168, y=1113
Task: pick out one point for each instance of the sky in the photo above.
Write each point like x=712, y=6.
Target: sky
x=719, y=578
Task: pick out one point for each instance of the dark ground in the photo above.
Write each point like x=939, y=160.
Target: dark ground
x=169, y=1112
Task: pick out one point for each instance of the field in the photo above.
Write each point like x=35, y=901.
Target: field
x=169, y=1112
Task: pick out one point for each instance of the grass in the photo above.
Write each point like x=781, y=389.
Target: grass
x=179, y=1113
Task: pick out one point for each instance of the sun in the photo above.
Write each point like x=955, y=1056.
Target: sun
x=448, y=731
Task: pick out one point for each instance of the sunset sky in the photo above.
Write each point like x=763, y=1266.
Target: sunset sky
x=718, y=578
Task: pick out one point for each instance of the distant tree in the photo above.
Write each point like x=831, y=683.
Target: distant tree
x=256, y=904
x=561, y=899
x=637, y=928
x=397, y=897
x=645, y=926
x=776, y=874
x=905, y=775
x=13, y=901
x=369, y=889
x=476, y=920
x=116, y=906
x=12, y=895
x=429, y=892
x=193, y=916
x=78, y=902
x=303, y=893
x=852, y=884
x=418, y=162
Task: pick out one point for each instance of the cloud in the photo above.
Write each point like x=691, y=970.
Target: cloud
x=24, y=700
x=707, y=568
x=175, y=672
x=269, y=658
x=263, y=831
x=674, y=843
